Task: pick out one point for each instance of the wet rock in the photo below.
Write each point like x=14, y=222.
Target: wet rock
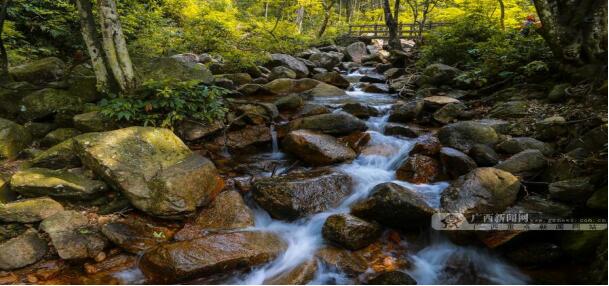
x=72, y=235
x=134, y=235
x=348, y=261
x=22, y=250
x=259, y=113
x=168, y=68
x=360, y=110
x=302, y=193
x=282, y=86
x=281, y=72
x=39, y=71
x=456, y=163
x=463, y=135
x=337, y=123
x=392, y=278
x=29, y=210
x=402, y=130
x=316, y=148
x=59, y=135
x=349, y=231
x=333, y=78
x=310, y=109
x=557, y=93
x=483, y=190
x=483, y=155
x=440, y=74
x=375, y=88
x=326, y=60
x=372, y=79
x=518, y=144
x=510, y=109
x=405, y=112
x=300, y=275
x=356, y=141
x=419, y=169
x=289, y=102
x=393, y=73
x=153, y=168
x=427, y=145
x=576, y=190
x=250, y=88
x=598, y=199
x=290, y=62
x=59, y=156
x=591, y=141
x=438, y=101
x=356, y=51
x=93, y=122
x=192, y=130
x=227, y=211
x=55, y=183
x=525, y=163
x=13, y=139
x=550, y=128
x=395, y=206
x=449, y=113
x=324, y=89
x=183, y=260
x=249, y=135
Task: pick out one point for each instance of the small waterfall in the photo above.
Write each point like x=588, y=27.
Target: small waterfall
x=275, y=145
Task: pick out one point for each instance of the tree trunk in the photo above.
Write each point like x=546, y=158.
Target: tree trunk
x=392, y=24
x=4, y=76
x=115, y=46
x=575, y=31
x=300, y=18
x=502, y=16
x=91, y=39
x=327, y=14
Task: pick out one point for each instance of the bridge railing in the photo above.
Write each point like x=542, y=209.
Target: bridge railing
x=405, y=30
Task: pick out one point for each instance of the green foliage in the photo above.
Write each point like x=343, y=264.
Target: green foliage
x=163, y=104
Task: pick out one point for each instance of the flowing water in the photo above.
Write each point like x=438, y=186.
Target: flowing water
x=429, y=263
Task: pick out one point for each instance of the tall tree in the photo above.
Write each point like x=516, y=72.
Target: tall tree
x=4, y=76
x=575, y=31
x=327, y=5
x=392, y=20
x=420, y=11
x=502, y=15
x=110, y=58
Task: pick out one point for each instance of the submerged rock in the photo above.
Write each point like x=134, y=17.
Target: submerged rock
x=183, y=260
x=29, y=210
x=22, y=250
x=227, y=211
x=153, y=168
x=349, y=231
x=303, y=193
x=483, y=190
x=134, y=235
x=316, y=148
x=396, y=206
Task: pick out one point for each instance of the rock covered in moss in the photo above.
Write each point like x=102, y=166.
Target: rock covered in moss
x=59, y=156
x=29, y=210
x=55, y=183
x=49, y=102
x=59, y=135
x=170, y=68
x=463, y=135
x=93, y=121
x=39, y=71
x=13, y=139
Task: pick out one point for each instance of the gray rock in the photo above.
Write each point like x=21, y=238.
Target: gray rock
x=73, y=236
x=576, y=190
x=356, y=51
x=440, y=74
x=326, y=60
x=190, y=130
x=483, y=155
x=39, y=71
x=290, y=62
x=360, y=110
x=449, y=113
x=403, y=130
x=518, y=144
x=333, y=78
x=13, y=139
x=289, y=102
x=22, y=250
x=281, y=72
x=463, y=135
x=405, y=112
x=527, y=162
x=456, y=163
x=337, y=123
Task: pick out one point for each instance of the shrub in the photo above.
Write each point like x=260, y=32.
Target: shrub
x=163, y=104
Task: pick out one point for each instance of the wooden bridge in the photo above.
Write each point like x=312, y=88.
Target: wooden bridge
x=380, y=31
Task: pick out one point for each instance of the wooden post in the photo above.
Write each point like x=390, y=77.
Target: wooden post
x=375, y=30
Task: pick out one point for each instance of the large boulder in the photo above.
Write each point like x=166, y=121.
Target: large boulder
x=455, y=163
x=282, y=86
x=49, y=102
x=405, y=112
x=350, y=231
x=13, y=139
x=172, y=68
x=316, y=148
x=333, y=78
x=576, y=190
x=336, y=123
x=419, y=169
x=40, y=71
x=179, y=261
x=22, y=250
x=249, y=135
x=290, y=62
x=153, y=168
x=281, y=72
x=190, y=130
x=300, y=194
x=518, y=144
x=325, y=90
x=29, y=210
x=57, y=157
x=463, y=135
x=483, y=155
x=35, y=182
x=396, y=206
x=356, y=51
x=58, y=135
x=93, y=121
x=360, y=110
x=483, y=190
x=228, y=211
x=72, y=235
x=440, y=74
x=527, y=162
x=326, y=60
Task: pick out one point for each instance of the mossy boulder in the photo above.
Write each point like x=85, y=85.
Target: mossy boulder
x=169, y=68
x=325, y=90
x=463, y=135
x=13, y=139
x=49, y=102
x=59, y=135
x=93, y=121
x=440, y=74
x=84, y=87
x=59, y=156
x=282, y=86
x=10, y=98
x=510, y=109
x=55, y=183
x=29, y=210
x=153, y=168
x=40, y=71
